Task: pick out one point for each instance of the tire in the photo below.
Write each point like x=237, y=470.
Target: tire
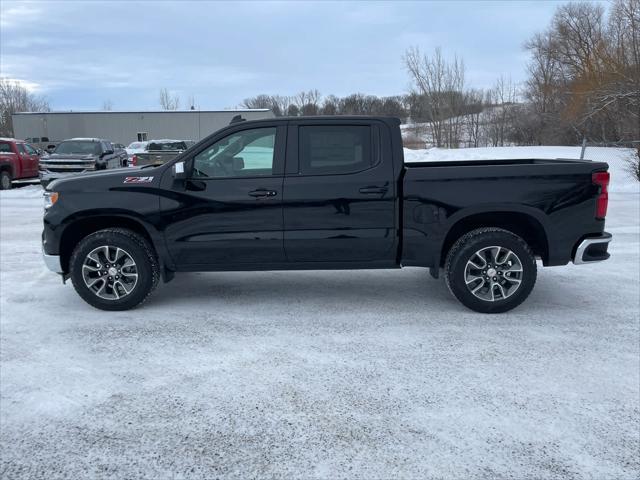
x=505, y=279
x=121, y=285
x=5, y=180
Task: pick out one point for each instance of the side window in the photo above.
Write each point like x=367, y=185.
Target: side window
x=106, y=146
x=325, y=149
x=20, y=148
x=30, y=149
x=248, y=153
x=5, y=148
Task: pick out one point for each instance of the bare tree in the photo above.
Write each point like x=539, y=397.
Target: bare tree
x=584, y=75
x=308, y=103
x=107, y=105
x=169, y=101
x=474, y=100
x=502, y=98
x=330, y=105
x=441, y=82
x=14, y=97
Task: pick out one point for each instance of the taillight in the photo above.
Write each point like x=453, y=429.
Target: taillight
x=134, y=160
x=602, y=180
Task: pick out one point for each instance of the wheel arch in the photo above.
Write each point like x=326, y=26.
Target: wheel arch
x=79, y=228
x=7, y=167
x=527, y=225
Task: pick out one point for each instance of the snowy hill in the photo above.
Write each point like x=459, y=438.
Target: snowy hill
x=617, y=158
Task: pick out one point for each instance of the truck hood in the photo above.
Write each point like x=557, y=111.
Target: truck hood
x=104, y=180
x=66, y=157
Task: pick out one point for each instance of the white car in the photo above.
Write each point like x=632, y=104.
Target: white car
x=136, y=147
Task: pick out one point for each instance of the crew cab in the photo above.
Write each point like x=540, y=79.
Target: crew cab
x=18, y=161
x=78, y=155
x=324, y=193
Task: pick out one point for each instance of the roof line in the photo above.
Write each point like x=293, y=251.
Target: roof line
x=111, y=112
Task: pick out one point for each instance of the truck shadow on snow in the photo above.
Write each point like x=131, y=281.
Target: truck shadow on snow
x=359, y=292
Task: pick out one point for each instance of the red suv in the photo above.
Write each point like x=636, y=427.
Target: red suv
x=18, y=160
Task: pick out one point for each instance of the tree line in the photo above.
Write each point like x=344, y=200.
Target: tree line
x=583, y=81
x=14, y=97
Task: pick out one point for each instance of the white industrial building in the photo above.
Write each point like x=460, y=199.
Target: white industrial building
x=126, y=127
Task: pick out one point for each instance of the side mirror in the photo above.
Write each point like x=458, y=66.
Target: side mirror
x=178, y=172
x=238, y=164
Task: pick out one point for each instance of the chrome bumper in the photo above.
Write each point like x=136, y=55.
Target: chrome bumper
x=592, y=249
x=52, y=262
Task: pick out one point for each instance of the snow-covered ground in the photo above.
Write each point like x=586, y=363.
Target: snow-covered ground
x=360, y=374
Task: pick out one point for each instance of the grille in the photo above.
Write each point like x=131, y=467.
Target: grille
x=67, y=167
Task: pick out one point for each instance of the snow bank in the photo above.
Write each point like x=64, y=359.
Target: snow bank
x=617, y=158
x=31, y=191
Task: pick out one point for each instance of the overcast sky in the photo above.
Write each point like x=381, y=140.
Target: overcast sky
x=79, y=54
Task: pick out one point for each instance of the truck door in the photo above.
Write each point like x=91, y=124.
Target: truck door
x=339, y=195
x=34, y=160
x=228, y=213
x=26, y=164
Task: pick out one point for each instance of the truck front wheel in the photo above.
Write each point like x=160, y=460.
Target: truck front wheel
x=490, y=270
x=5, y=180
x=114, y=269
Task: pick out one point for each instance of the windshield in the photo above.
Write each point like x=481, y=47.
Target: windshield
x=80, y=147
x=136, y=145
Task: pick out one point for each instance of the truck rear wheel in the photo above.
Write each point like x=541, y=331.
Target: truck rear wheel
x=490, y=270
x=5, y=180
x=114, y=269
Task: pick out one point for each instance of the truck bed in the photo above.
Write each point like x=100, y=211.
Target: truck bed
x=436, y=193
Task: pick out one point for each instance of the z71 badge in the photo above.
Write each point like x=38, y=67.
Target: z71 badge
x=138, y=179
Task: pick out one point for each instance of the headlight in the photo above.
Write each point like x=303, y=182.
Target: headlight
x=50, y=198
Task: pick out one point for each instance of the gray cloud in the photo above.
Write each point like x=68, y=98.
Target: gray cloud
x=80, y=53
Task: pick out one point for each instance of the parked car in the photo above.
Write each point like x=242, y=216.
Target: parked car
x=78, y=155
x=135, y=147
x=18, y=161
x=324, y=193
x=157, y=152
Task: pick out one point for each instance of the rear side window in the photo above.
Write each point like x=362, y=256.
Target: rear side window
x=5, y=148
x=326, y=149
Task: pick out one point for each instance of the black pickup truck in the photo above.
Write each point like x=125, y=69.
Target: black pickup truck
x=324, y=193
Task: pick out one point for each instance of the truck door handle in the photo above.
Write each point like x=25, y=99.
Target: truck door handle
x=373, y=190
x=261, y=193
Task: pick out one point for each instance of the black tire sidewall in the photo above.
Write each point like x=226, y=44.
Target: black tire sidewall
x=458, y=264
x=3, y=176
x=132, y=247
